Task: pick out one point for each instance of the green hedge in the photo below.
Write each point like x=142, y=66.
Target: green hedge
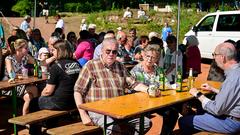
x=85, y=7
x=23, y=7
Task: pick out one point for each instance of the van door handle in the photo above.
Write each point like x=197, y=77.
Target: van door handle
x=209, y=34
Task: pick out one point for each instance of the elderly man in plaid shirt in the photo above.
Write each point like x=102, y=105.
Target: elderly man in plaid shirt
x=102, y=79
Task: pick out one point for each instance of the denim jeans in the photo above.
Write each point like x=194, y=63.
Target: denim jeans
x=207, y=122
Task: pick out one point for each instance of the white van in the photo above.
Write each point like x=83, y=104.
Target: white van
x=215, y=28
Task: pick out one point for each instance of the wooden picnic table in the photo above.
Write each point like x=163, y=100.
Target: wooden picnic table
x=5, y=85
x=139, y=103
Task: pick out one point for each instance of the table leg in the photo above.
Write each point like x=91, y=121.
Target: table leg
x=141, y=130
x=14, y=100
x=105, y=125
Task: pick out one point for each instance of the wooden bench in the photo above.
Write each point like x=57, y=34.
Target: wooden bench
x=75, y=128
x=36, y=117
x=208, y=133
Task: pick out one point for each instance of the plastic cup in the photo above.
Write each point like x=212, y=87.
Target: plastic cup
x=25, y=73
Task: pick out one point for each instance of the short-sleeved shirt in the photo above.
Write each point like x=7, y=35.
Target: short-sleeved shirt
x=24, y=25
x=127, y=14
x=170, y=59
x=64, y=80
x=97, y=81
x=138, y=49
x=138, y=72
x=84, y=50
x=97, y=51
x=165, y=32
x=45, y=5
x=17, y=67
x=60, y=24
x=128, y=55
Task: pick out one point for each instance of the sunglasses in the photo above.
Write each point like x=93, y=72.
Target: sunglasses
x=113, y=51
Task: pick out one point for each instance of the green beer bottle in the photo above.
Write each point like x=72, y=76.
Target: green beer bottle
x=161, y=79
x=179, y=80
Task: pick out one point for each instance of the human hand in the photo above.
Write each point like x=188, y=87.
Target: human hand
x=206, y=86
x=193, y=91
x=86, y=120
x=158, y=93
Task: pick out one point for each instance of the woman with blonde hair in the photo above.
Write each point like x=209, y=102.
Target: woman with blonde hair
x=14, y=64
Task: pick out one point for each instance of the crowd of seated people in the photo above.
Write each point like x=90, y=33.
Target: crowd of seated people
x=80, y=67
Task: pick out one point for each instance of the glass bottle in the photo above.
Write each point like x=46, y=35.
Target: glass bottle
x=39, y=72
x=152, y=87
x=35, y=70
x=190, y=79
x=161, y=79
x=179, y=80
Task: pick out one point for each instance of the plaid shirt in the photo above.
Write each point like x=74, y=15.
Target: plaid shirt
x=97, y=81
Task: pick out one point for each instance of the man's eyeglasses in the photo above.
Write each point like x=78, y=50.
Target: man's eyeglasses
x=215, y=54
x=113, y=51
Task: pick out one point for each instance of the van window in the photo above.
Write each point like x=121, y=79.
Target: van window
x=207, y=24
x=229, y=22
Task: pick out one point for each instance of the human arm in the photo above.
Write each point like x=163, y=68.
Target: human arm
x=50, y=60
x=83, y=114
x=206, y=86
x=8, y=65
x=31, y=60
x=81, y=88
x=53, y=80
x=225, y=100
x=48, y=90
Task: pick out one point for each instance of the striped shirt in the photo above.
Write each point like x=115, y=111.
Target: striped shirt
x=97, y=81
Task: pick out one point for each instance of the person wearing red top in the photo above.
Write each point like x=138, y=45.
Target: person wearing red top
x=85, y=50
x=193, y=56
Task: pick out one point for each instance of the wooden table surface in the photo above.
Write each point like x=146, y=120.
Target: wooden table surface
x=5, y=85
x=138, y=103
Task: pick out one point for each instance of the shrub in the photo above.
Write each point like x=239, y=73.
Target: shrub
x=22, y=7
x=85, y=7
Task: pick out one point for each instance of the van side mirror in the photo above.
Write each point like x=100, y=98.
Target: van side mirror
x=195, y=29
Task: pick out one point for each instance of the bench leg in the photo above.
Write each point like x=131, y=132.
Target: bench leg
x=14, y=100
x=105, y=125
x=141, y=130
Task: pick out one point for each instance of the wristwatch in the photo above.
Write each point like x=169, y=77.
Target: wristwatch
x=199, y=94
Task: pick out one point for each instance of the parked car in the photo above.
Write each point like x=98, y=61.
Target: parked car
x=214, y=28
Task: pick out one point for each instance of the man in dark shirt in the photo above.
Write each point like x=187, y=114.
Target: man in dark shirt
x=45, y=9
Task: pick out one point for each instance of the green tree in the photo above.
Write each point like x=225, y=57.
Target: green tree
x=23, y=7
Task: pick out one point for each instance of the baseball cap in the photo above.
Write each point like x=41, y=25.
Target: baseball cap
x=42, y=50
x=92, y=26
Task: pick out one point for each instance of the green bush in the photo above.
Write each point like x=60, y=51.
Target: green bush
x=22, y=7
x=85, y=7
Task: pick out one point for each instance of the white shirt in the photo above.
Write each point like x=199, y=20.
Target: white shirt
x=24, y=25
x=127, y=14
x=83, y=26
x=141, y=13
x=60, y=24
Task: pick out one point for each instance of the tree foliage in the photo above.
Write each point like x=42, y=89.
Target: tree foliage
x=23, y=7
